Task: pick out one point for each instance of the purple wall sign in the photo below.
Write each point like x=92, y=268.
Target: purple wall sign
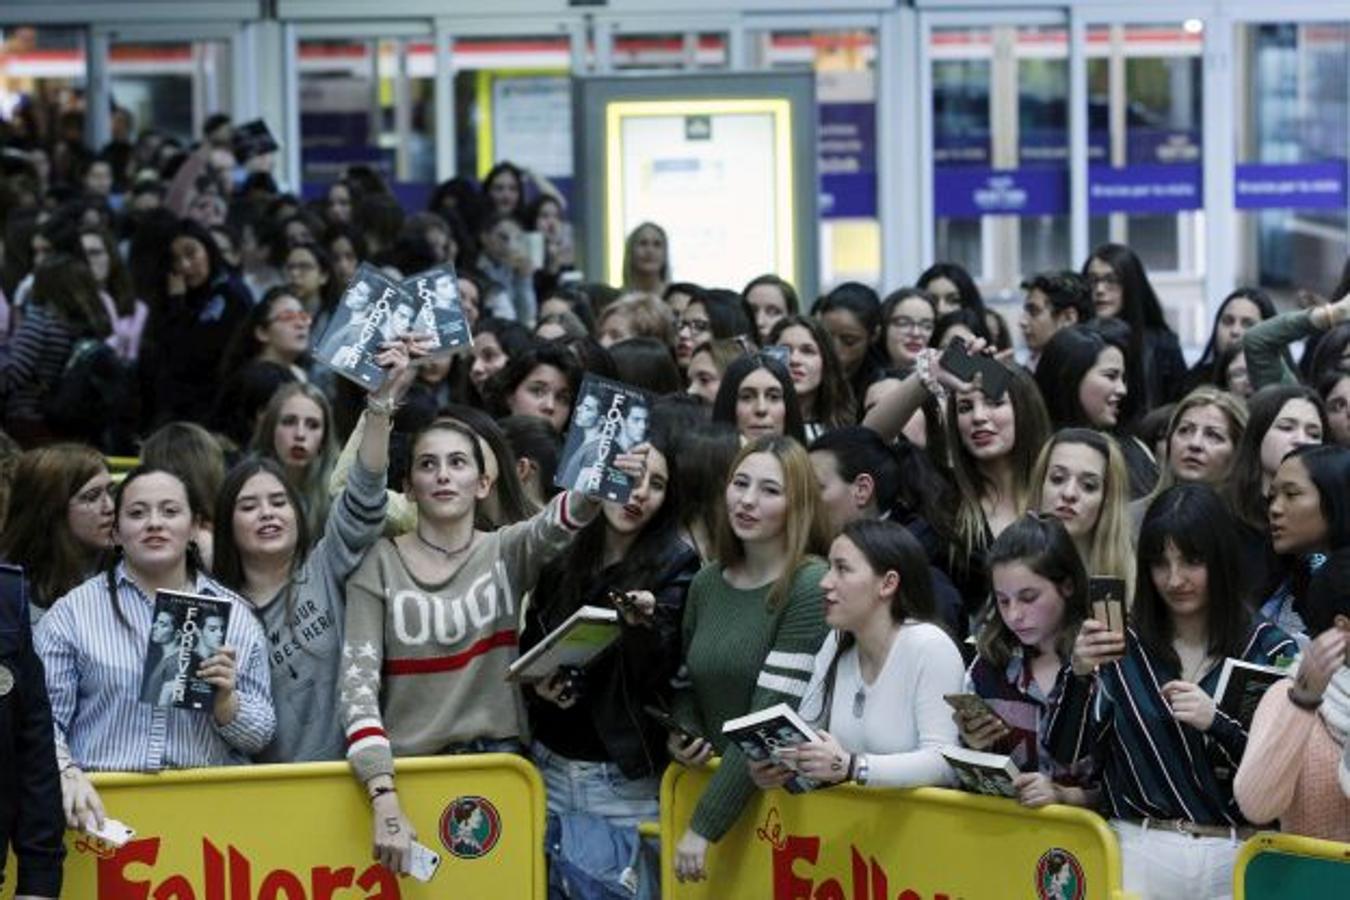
x=847, y=163
x=961, y=192
x=1318, y=185
x=1145, y=189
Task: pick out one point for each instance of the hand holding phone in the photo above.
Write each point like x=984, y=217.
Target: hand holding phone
x=113, y=833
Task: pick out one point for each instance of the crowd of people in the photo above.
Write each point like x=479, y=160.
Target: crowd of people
x=826, y=512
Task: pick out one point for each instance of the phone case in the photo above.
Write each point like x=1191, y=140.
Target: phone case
x=425, y=862
x=1107, y=597
x=114, y=833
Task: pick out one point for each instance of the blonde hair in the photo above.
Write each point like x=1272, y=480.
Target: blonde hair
x=631, y=242
x=1234, y=410
x=647, y=316
x=806, y=533
x=722, y=351
x=1111, y=545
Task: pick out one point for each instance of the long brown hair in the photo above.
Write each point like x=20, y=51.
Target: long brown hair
x=37, y=532
x=313, y=489
x=1031, y=429
x=65, y=285
x=806, y=532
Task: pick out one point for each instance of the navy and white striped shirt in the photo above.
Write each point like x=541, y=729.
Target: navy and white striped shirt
x=1152, y=765
x=94, y=662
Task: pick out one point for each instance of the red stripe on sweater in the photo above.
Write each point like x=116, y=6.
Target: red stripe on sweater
x=562, y=513
x=454, y=661
x=363, y=733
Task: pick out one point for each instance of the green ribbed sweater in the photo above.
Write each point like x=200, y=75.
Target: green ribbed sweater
x=741, y=656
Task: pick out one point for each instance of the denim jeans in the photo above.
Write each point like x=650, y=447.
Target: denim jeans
x=600, y=789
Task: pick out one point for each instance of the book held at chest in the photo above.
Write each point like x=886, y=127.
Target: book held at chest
x=608, y=418
x=185, y=631
x=763, y=735
x=1241, y=687
x=586, y=634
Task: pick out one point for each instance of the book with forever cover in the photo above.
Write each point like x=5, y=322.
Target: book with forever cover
x=1241, y=687
x=760, y=735
x=438, y=309
x=373, y=309
x=982, y=773
x=586, y=634
x=185, y=631
x=608, y=418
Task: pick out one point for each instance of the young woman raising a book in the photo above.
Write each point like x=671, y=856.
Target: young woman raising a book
x=1143, y=702
x=263, y=533
x=881, y=675
x=432, y=624
x=752, y=625
x=1040, y=593
x=93, y=643
x=598, y=751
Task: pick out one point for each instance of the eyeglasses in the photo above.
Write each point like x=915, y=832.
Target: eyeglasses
x=905, y=323
x=695, y=326
x=291, y=315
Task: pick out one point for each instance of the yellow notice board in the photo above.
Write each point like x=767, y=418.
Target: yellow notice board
x=716, y=174
x=304, y=833
x=927, y=844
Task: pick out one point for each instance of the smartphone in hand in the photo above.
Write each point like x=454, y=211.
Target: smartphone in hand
x=425, y=862
x=994, y=376
x=1106, y=596
x=670, y=723
x=971, y=705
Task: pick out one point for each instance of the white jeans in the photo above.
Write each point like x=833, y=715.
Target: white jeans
x=1167, y=865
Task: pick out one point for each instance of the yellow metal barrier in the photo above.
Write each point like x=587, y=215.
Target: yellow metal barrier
x=924, y=844
x=1285, y=866
x=121, y=465
x=303, y=832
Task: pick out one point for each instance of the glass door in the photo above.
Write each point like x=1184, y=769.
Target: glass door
x=1291, y=150
x=368, y=101
x=1000, y=179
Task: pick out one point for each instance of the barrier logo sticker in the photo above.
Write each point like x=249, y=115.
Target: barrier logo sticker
x=1059, y=876
x=470, y=827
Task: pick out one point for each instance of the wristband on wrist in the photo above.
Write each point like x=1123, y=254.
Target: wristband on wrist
x=386, y=407
x=377, y=793
x=1302, y=700
x=860, y=770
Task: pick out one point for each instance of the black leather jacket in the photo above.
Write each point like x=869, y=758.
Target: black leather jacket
x=614, y=688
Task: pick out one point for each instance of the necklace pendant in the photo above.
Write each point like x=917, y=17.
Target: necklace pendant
x=859, y=703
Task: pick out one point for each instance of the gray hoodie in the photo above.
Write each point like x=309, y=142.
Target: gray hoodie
x=304, y=632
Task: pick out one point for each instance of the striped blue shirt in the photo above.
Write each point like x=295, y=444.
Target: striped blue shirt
x=1152, y=765
x=94, y=663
